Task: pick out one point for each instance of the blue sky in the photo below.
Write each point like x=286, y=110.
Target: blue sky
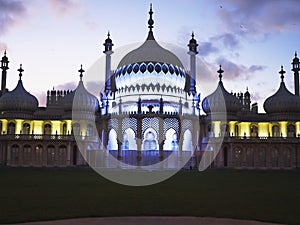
x=250, y=38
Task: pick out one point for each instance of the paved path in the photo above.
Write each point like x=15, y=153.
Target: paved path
x=155, y=220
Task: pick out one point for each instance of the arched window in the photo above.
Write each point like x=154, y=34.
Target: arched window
x=274, y=157
x=76, y=128
x=286, y=154
x=275, y=131
x=112, y=140
x=250, y=157
x=261, y=157
x=26, y=128
x=187, y=144
x=62, y=155
x=27, y=155
x=150, y=141
x=11, y=128
x=64, y=129
x=38, y=154
x=254, y=131
x=51, y=155
x=291, y=129
x=89, y=130
x=14, y=154
x=237, y=157
x=47, y=128
x=236, y=130
x=171, y=141
x=225, y=130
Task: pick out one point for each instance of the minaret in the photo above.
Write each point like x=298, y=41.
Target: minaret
x=192, y=52
x=4, y=67
x=296, y=69
x=247, y=100
x=108, y=51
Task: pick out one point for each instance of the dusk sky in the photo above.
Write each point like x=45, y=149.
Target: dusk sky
x=250, y=38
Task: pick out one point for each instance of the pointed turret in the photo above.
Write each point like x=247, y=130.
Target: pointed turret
x=4, y=67
x=191, y=82
x=108, y=51
x=296, y=69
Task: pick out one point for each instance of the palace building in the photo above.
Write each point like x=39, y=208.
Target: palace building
x=148, y=110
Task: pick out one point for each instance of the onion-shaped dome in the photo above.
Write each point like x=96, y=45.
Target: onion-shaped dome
x=150, y=51
x=85, y=101
x=18, y=100
x=296, y=59
x=150, y=64
x=283, y=101
x=215, y=102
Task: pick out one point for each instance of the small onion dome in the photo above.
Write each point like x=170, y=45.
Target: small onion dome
x=18, y=100
x=108, y=40
x=247, y=94
x=85, y=101
x=214, y=103
x=296, y=59
x=4, y=58
x=283, y=101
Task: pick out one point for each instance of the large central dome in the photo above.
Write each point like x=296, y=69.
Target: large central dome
x=150, y=65
x=150, y=51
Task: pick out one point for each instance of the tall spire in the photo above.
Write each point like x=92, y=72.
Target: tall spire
x=21, y=71
x=296, y=69
x=282, y=72
x=4, y=67
x=150, y=23
x=220, y=71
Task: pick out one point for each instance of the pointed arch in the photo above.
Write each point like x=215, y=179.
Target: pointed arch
x=150, y=139
x=171, y=142
x=129, y=142
x=187, y=144
x=112, y=140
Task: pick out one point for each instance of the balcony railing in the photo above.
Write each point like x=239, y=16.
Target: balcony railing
x=46, y=137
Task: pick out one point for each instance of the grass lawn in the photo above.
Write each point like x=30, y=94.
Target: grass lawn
x=30, y=194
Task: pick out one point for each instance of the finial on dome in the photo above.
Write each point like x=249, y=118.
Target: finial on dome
x=81, y=71
x=108, y=34
x=220, y=71
x=21, y=71
x=150, y=23
x=282, y=72
x=5, y=52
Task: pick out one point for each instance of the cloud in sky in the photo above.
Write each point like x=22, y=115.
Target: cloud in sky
x=63, y=7
x=3, y=47
x=206, y=48
x=11, y=12
x=66, y=86
x=259, y=18
x=227, y=39
x=234, y=71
